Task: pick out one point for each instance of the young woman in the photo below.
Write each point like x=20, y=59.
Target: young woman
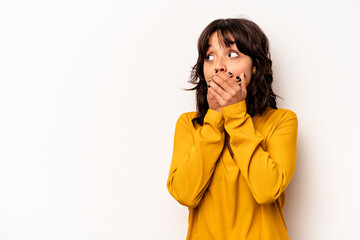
x=234, y=157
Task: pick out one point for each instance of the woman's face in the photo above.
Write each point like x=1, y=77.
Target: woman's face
x=219, y=57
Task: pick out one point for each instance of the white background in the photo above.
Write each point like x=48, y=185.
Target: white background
x=90, y=92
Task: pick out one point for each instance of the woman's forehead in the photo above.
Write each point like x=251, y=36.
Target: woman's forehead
x=214, y=38
x=218, y=42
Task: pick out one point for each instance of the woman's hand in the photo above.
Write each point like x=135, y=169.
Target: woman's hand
x=226, y=90
x=213, y=103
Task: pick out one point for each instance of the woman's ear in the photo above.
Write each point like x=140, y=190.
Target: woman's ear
x=254, y=70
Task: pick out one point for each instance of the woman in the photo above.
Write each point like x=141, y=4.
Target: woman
x=234, y=156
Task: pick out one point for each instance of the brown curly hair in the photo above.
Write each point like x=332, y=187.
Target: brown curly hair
x=251, y=41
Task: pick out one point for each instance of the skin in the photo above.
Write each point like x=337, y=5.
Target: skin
x=225, y=89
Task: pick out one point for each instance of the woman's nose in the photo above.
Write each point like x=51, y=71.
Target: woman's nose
x=219, y=69
x=220, y=66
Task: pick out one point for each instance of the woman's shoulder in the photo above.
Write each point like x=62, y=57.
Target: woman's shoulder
x=275, y=116
x=282, y=115
x=186, y=117
x=185, y=122
x=276, y=112
x=285, y=113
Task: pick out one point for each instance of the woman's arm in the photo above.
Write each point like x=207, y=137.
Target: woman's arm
x=194, y=158
x=267, y=173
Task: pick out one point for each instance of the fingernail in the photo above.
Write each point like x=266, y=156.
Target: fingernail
x=229, y=73
x=209, y=80
x=216, y=71
x=208, y=86
x=237, y=77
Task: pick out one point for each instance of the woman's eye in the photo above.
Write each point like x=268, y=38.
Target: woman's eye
x=235, y=53
x=207, y=57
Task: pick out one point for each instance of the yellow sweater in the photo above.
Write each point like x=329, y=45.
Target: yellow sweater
x=239, y=197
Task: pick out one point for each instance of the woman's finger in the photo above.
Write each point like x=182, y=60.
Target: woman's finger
x=216, y=89
x=243, y=81
x=222, y=82
x=214, y=93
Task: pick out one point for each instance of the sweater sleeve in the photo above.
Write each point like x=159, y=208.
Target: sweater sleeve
x=194, y=157
x=267, y=173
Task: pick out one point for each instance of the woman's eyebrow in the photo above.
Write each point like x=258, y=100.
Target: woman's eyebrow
x=210, y=46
